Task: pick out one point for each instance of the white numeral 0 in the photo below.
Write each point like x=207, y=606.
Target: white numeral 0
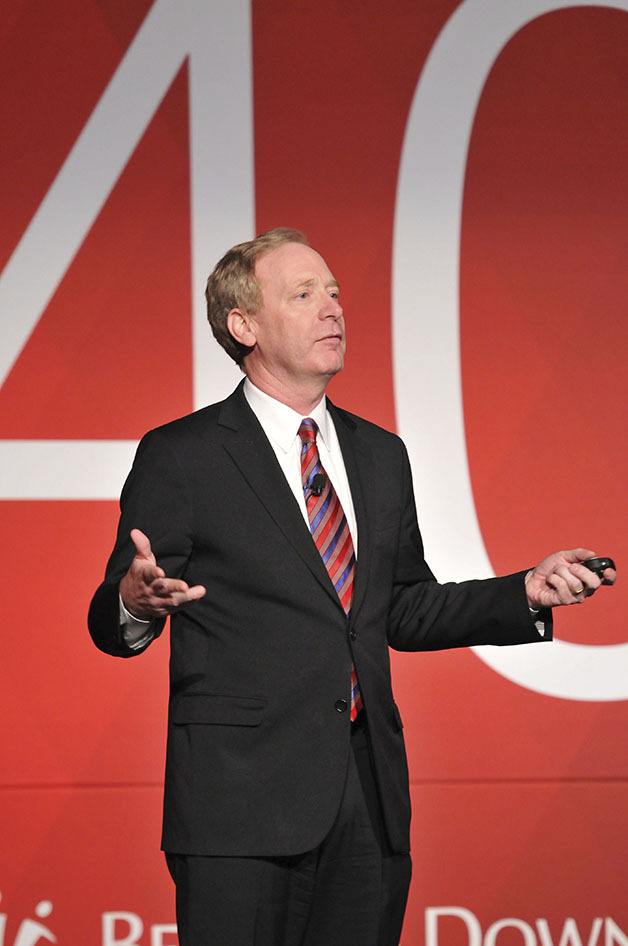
x=426, y=257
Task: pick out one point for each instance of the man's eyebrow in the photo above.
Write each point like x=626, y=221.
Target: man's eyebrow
x=312, y=281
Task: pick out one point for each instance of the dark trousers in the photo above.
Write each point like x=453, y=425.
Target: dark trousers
x=349, y=891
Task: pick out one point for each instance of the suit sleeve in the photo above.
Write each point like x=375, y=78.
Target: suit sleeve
x=426, y=615
x=155, y=499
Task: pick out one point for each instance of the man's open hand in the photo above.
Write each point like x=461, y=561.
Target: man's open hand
x=145, y=591
x=561, y=579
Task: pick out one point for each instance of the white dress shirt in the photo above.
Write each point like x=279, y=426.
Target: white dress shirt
x=281, y=424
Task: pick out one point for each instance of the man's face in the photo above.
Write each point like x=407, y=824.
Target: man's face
x=299, y=328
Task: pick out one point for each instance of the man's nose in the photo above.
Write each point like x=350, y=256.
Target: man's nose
x=330, y=309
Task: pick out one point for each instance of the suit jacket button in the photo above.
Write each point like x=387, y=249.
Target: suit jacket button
x=341, y=706
x=353, y=635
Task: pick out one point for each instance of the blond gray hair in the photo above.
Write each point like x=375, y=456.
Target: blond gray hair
x=232, y=285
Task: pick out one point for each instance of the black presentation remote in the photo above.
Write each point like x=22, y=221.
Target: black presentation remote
x=598, y=565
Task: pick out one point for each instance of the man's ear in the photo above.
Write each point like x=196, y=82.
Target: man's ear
x=240, y=328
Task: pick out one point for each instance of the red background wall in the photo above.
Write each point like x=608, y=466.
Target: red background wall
x=519, y=798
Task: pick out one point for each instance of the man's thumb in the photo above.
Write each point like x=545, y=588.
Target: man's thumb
x=142, y=544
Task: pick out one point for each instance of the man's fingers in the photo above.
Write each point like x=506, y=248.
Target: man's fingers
x=588, y=579
x=562, y=589
x=148, y=574
x=578, y=555
x=166, y=603
x=163, y=586
x=575, y=556
x=142, y=544
x=561, y=578
x=184, y=597
x=579, y=579
x=145, y=589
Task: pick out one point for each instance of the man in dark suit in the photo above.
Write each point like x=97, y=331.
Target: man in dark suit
x=280, y=534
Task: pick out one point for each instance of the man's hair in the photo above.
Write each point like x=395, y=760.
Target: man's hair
x=232, y=285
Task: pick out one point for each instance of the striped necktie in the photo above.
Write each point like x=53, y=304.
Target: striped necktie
x=330, y=531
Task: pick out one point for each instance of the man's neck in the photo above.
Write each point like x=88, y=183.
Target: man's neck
x=300, y=396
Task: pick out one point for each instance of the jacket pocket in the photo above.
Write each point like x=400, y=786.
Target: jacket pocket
x=215, y=709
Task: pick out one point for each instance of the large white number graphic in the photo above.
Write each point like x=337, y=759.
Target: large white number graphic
x=216, y=39
x=426, y=330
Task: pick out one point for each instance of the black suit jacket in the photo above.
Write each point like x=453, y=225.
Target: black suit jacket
x=258, y=730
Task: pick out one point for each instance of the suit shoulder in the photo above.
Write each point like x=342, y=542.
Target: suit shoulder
x=203, y=423
x=375, y=434
x=181, y=427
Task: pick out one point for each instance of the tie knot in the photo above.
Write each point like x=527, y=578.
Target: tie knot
x=308, y=430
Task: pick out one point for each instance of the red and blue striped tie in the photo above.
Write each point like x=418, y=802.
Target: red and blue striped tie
x=330, y=531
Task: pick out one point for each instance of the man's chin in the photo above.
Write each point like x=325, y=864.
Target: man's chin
x=334, y=360
x=334, y=366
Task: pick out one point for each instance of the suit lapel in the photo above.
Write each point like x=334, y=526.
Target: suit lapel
x=357, y=459
x=252, y=453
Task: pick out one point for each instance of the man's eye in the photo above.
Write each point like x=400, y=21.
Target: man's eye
x=303, y=294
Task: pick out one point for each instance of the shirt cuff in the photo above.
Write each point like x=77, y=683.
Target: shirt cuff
x=539, y=625
x=135, y=631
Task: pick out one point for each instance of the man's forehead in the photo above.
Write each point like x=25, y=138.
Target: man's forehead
x=293, y=263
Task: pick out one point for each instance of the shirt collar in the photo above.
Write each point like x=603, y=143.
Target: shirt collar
x=281, y=423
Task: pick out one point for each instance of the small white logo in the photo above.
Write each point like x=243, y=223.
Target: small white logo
x=30, y=932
